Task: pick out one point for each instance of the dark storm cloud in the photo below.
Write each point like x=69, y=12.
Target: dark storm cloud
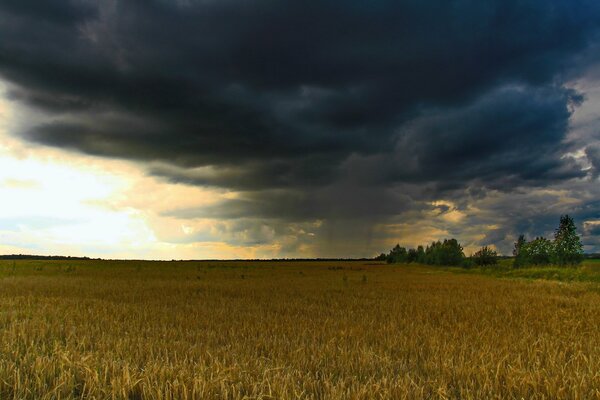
x=53, y=11
x=222, y=81
x=308, y=104
x=303, y=205
x=504, y=138
x=593, y=230
x=532, y=212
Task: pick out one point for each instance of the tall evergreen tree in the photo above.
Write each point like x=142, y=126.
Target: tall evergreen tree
x=568, y=249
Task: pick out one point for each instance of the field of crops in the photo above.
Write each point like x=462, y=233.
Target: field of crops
x=291, y=330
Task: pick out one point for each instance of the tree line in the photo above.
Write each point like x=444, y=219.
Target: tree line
x=565, y=249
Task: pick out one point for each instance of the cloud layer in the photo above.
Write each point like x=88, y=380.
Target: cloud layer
x=349, y=115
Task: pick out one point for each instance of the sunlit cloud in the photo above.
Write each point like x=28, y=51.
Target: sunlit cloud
x=59, y=202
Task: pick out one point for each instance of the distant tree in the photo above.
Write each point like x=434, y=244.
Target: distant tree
x=432, y=253
x=452, y=253
x=537, y=252
x=568, y=249
x=420, y=254
x=467, y=262
x=518, y=244
x=485, y=256
x=397, y=255
x=381, y=257
x=519, y=257
x=448, y=252
x=412, y=255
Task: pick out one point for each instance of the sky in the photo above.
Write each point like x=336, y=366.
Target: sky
x=191, y=129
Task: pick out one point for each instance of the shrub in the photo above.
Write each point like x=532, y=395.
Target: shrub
x=467, y=263
x=485, y=256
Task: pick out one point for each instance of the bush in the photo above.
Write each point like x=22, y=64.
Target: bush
x=485, y=256
x=467, y=263
x=381, y=257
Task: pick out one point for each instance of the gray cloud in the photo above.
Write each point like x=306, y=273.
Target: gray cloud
x=592, y=153
x=346, y=112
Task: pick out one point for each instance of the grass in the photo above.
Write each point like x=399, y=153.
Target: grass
x=291, y=330
x=588, y=271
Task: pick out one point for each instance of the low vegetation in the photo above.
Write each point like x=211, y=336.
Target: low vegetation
x=93, y=329
x=587, y=272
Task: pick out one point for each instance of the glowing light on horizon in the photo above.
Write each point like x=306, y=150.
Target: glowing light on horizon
x=59, y=202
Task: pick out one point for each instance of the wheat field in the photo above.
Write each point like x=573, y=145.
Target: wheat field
x=290, y=330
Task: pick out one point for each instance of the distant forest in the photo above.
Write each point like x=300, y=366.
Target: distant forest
x=34, y=257
x=565, y=249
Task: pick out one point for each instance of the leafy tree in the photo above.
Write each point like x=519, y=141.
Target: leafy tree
x=518, y=244
x=568, y=249
x=412, y=255
x=397, y=255
x=452, y=253
x=485, y=256
x=448, y=252
x=431, y=253
x=537, y=252
x=519, y=256
x=420, y=254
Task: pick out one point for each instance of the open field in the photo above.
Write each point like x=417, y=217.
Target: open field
x=314, y=330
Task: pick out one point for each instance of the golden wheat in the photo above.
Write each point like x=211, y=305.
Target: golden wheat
x=290, y=330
